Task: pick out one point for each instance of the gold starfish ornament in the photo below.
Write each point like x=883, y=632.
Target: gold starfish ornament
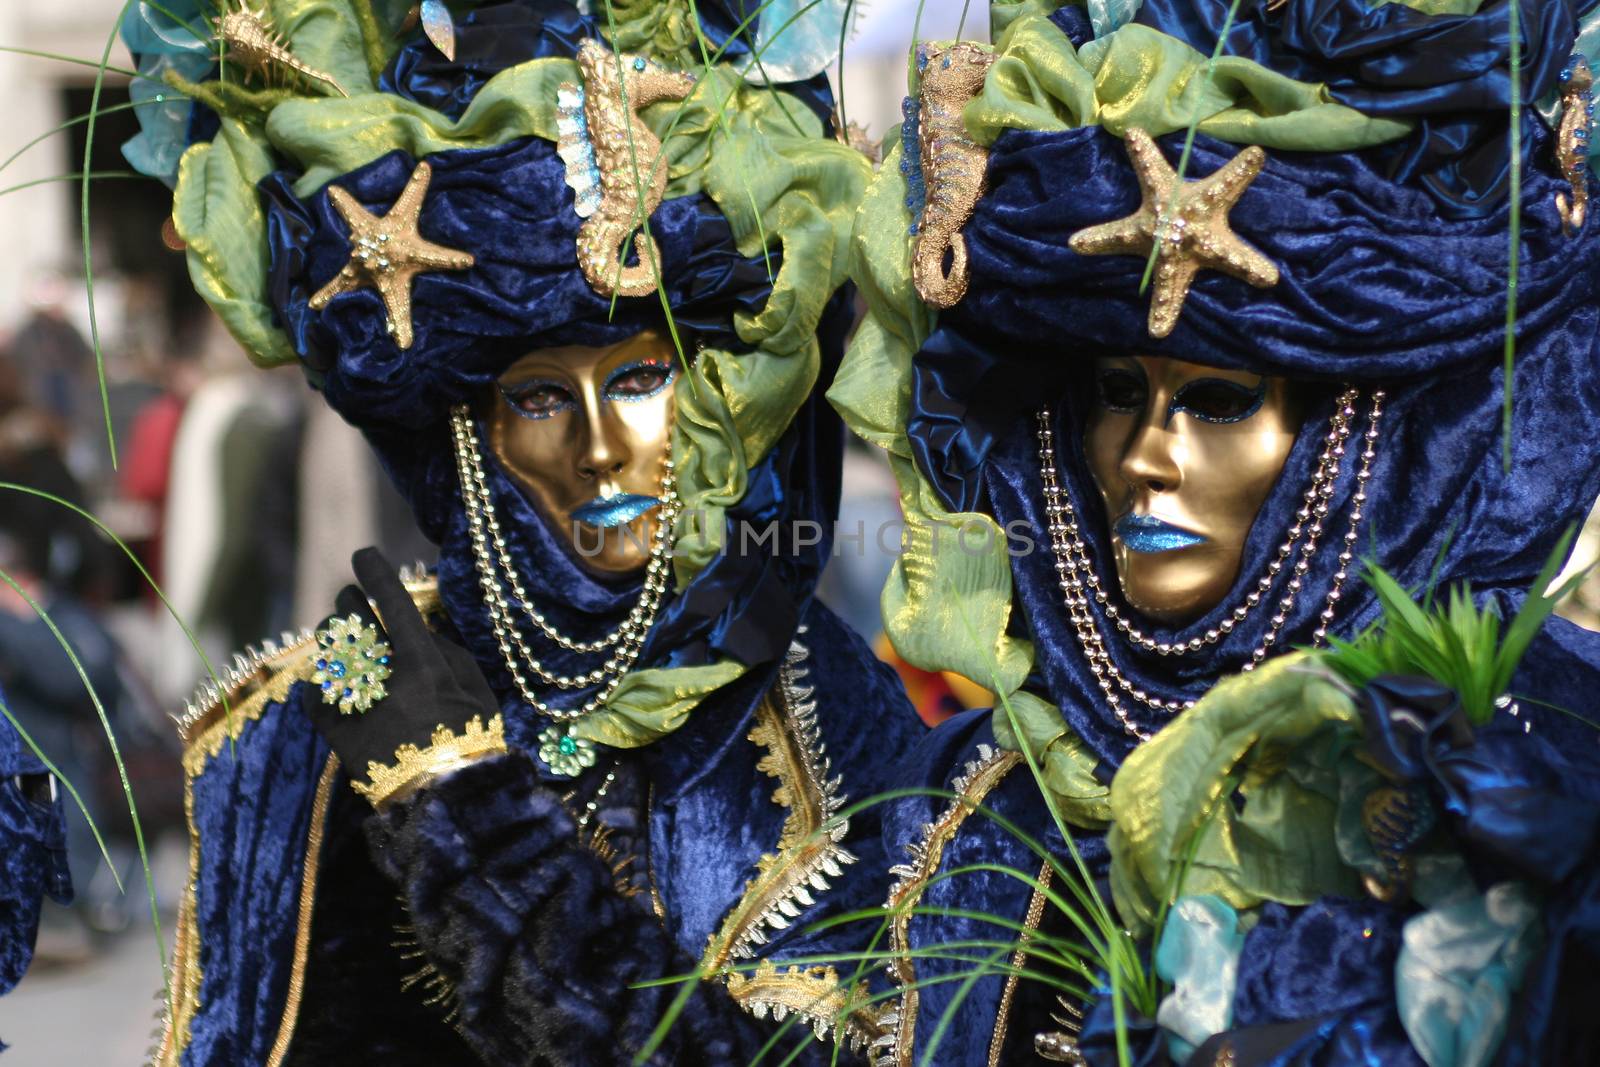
x=387, y=253
x=1187, y=224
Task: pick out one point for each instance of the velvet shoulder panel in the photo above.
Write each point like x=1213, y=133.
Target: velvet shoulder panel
x=942, y=835
x=744, y=857
x=255, y=793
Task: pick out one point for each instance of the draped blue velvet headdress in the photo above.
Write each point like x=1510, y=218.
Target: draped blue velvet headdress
x=745, y=296
x=1393, y=261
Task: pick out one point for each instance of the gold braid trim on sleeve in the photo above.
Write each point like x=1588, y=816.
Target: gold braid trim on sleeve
x=414, y=768
x=897, y=1046
x=258, y=677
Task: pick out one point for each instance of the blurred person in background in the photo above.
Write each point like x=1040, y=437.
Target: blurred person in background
x=33, y=851
x=55, y=362
x=33, y=445
x=146, y=468
x=46, y=694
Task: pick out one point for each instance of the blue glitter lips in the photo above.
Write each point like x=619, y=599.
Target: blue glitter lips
x=1146, y=533
x=608, y=511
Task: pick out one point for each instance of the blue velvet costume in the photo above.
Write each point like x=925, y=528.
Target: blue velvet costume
x=33, y=854
x=1393, y=265
x=473, y=921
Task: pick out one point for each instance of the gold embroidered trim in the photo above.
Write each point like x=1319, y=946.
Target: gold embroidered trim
x=414, y=767
x=633, y=177
x=809, y=852
x=436, y=989
x=808, y=855
x=182, y=997
x=308, y=898
x=952, y=169
x=897, y=1046
x=258, y=677
x=1002, y=1020
x=813, y=994
x=424, y=589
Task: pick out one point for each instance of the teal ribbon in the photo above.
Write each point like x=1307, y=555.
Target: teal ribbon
x=1460, y=963
x=1199, y=955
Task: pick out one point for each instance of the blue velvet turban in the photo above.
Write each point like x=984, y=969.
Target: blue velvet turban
x=1378, y=289
x=510, y=207
x=1450, y=74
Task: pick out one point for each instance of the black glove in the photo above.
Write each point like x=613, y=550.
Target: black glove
x=433, y=681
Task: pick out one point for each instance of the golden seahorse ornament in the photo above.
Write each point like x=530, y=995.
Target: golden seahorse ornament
x=256, y=45
x=952, y=170
x=1572, y=142
x=615, y=89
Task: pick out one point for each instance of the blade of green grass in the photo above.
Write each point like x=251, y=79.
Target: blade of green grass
x=75, y=176
x=1510, y=354
x=83, y=222
x=111, y=535
x=77, y=121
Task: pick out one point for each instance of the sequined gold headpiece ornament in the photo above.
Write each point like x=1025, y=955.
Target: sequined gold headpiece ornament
x=633, y=179
x=952, y=169
x=388, y=253
x=1188, y=225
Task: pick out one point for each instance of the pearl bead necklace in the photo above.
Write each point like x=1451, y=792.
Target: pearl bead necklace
x=496, y=569
x=1078, y=579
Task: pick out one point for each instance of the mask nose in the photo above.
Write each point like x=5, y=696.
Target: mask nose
x=1149, y=464
x=602, y=452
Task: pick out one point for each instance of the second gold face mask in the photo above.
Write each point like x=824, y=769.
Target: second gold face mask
x=585, y=433
x=1184, y=456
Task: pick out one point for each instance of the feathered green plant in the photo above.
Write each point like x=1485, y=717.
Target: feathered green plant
x=1455, y=641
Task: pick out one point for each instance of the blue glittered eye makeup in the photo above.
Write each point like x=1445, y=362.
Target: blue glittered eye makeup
x=1218, y=400
x=638, y=381
x=537, y=398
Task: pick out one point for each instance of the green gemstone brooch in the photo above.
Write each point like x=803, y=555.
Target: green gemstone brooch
x=564, y=754
x=352, y=664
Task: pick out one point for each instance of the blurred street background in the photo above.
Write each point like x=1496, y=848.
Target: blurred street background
x=207, y=493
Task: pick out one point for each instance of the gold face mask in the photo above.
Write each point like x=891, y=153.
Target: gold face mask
x=585, y=433
x=1184, y=456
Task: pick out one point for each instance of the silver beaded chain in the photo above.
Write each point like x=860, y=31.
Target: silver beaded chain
x=496, y=570
x=1078, y=578
x=592, y=805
